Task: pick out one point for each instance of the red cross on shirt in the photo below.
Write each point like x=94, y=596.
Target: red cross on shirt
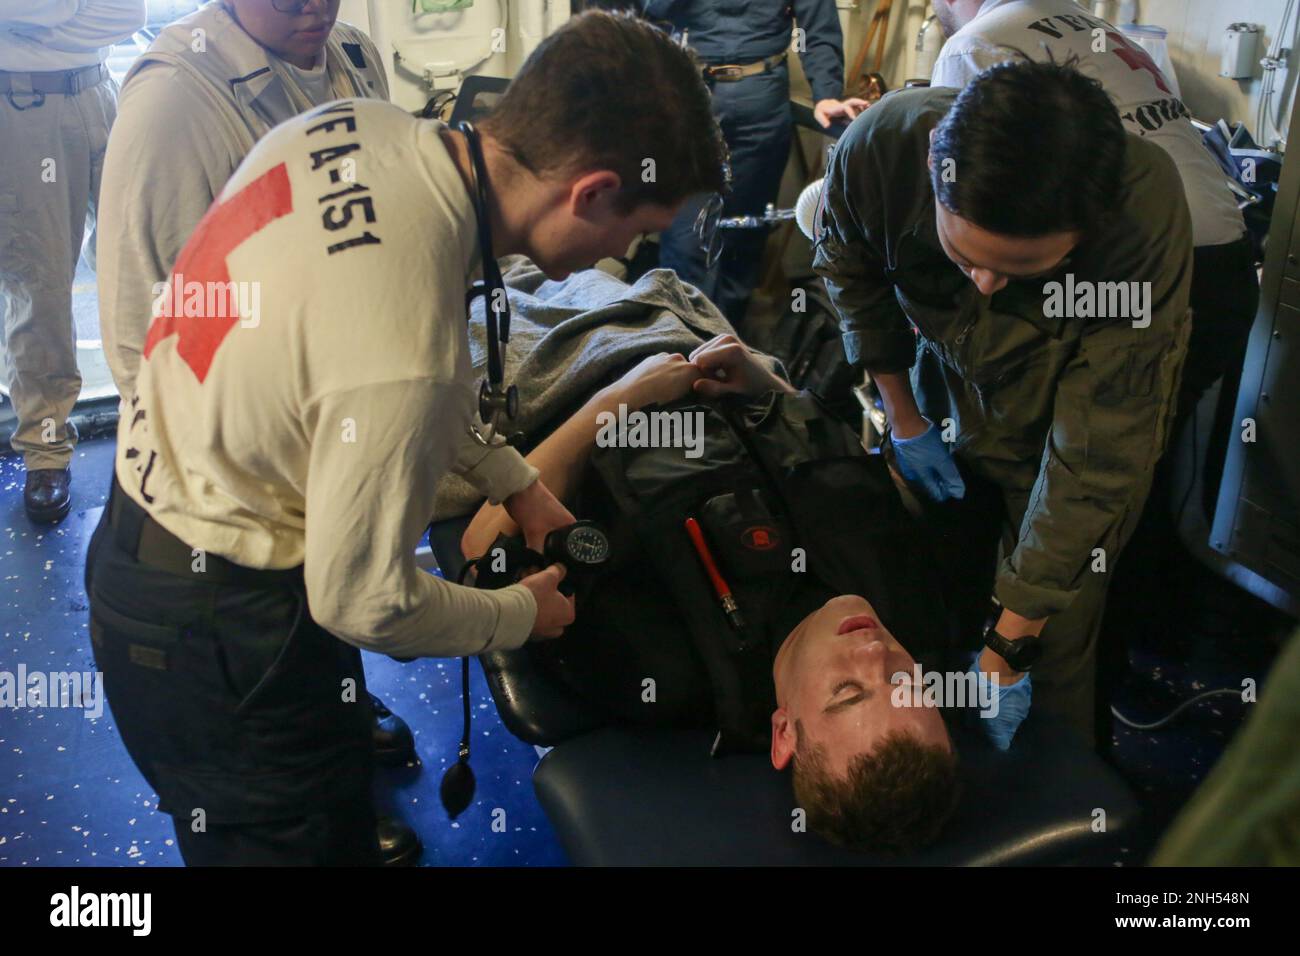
x=222, y=229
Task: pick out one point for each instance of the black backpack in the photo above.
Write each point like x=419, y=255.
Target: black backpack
x=811, y=347
x=794, y=512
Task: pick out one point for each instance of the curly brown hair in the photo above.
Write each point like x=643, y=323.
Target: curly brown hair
x=897, y=797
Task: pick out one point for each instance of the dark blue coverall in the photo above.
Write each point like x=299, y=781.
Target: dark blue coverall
x=754, y=115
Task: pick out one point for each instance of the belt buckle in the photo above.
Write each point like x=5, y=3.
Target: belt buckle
x=729, y=72
x=23, y=88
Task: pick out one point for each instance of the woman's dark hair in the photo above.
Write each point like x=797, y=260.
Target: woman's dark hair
x=610, y=91
x=1030, y=149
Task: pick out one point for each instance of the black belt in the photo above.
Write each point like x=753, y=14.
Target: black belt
x=148, y=542
x=60, y=82
x=731, y=72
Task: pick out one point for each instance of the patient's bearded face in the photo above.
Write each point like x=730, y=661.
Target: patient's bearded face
x=833, y=675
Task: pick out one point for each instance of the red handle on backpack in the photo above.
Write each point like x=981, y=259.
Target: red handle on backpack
x=702, y=549
x=711, y=568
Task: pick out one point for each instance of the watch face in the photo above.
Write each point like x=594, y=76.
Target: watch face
x=587, y=545
x=1026, y=653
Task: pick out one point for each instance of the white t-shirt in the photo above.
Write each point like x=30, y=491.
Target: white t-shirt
x=309, y=422
x=314, y=82
x=1148, y=106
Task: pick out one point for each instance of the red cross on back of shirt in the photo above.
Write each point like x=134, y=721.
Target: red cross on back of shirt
x=221, y=230
x=1137, y=59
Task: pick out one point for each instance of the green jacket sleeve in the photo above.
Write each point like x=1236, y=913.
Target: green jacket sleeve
x=849, y=256
x=1114, y=403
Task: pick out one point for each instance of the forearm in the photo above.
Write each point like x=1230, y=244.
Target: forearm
x=36, y=13
x=559, y=460
x=823, y=54
x=97, y=24
x=900, y=404
x=1013, y=625
x=390, y=607
x=823, y=65
x=362, y=526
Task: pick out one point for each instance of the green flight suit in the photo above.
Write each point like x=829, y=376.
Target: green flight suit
x=1066, y=415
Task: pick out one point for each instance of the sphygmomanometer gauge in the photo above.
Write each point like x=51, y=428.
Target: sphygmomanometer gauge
x=581, y=543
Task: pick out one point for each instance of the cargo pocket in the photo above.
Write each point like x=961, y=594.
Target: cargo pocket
x=162, y=684
x=143, y=644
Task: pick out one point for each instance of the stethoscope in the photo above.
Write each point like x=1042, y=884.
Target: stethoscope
x=497, y=404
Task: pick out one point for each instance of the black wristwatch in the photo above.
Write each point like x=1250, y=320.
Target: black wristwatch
x=1022, y=654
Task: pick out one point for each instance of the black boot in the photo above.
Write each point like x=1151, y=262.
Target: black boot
x=47, y=496
x=394, y=743
x=398, y=844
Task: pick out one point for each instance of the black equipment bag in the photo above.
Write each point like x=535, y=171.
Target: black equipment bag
x=794, y=512
x=809, y=344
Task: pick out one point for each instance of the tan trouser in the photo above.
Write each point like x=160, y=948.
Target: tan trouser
x=51, y=159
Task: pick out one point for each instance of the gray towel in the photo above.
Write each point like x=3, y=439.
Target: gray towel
x=568, y=339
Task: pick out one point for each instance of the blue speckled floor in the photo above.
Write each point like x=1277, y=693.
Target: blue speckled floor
x=70, y=796
x=1214, y=636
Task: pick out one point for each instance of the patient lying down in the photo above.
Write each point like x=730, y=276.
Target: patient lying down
x=868, y=774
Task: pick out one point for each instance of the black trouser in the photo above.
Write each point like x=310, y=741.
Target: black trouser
x=250, y=720
x=754, y=114
x=1225, y=298
x=1144, y=591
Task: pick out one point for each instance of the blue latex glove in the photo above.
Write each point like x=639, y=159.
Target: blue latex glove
x=1012, y=707
x=926, y=461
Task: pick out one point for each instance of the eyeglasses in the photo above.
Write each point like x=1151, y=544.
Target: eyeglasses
x=292, y=6
x=707, y=231
x=708, y=222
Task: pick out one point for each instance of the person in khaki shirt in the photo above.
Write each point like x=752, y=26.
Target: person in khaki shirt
x=1012, y=269
x=57, y=104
